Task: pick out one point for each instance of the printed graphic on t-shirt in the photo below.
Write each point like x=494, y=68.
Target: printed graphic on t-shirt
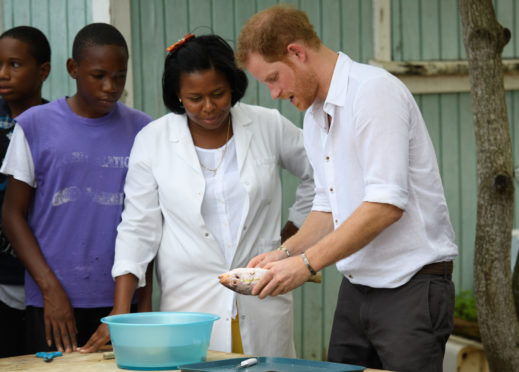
x=107, y=161
x=73, y=193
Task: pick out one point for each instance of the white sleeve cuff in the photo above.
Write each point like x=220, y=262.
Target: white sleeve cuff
x=18, y=160
x=387, y=194
x=129, y=267
x=321, y=202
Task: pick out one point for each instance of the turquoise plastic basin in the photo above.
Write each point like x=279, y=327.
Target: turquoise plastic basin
x=159, y=340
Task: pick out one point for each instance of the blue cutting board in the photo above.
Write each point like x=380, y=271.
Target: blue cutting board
x=268, y=364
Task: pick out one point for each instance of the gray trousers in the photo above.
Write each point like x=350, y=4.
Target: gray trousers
x=399, y=329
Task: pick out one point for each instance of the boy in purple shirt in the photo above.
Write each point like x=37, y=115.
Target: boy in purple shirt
x=67, y=163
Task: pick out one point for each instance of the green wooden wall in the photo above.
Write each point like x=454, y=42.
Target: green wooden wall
x=420, y=30
x=431, y=30
x=59, y=20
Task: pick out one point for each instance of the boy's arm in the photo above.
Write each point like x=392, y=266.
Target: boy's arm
x=59, y=318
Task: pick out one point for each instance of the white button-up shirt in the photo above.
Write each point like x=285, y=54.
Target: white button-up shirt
x=225, y=197
x=377, y=149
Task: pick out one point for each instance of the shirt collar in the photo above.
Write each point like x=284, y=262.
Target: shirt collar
x=338, y=87
x=339, y=84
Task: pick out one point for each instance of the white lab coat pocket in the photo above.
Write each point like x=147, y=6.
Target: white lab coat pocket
x=266, y=245
x=266, y=171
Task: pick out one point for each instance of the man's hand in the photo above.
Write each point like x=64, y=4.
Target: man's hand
x=100, y=337
x=262, y=259
x=282, y=277
x=60, y=323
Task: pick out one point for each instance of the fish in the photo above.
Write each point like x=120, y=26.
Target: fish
x=243, y=279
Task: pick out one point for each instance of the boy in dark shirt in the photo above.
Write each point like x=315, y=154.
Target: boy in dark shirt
x=24, y=66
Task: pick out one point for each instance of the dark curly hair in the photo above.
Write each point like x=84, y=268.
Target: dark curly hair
x=95, y=34
x=38, y=44
x=200, y=54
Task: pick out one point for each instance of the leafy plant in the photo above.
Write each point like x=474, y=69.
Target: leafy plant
x=465, y=306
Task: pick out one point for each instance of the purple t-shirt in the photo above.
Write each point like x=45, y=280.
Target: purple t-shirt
x=80, y=165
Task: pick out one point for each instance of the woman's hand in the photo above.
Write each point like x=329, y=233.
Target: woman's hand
x=125, y=286
x=100, y=337
x=59, y=319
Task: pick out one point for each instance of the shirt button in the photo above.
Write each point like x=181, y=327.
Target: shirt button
x=244, y=227
x=350, y=276
x=327, y=158
x=336, y=222
x=331, y=189
x=206, y=234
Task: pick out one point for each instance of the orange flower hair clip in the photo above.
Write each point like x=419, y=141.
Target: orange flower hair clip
x=179, y=43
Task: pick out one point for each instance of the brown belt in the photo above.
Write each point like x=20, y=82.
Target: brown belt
x=437, y=268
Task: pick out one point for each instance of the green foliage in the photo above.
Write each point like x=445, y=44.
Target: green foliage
x=465, y=307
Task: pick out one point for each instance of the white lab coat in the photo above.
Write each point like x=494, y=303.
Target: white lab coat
x=164, y=191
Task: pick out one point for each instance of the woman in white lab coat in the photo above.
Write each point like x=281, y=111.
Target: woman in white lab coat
x=203, y=196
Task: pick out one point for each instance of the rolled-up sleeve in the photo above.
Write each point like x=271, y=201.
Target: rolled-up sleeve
x=382, y=131
x=321, y=202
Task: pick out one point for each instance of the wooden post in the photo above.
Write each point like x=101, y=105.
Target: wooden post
x=117, y=13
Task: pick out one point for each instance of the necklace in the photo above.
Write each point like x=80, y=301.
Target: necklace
x=223, y=152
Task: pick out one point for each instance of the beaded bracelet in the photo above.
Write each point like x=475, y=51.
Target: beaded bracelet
x=312, y=271
x=283, y=248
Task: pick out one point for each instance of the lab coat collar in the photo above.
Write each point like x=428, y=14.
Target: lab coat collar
x=242, y=134
x=180, y=135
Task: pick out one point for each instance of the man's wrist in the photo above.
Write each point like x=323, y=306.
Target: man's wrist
x=284, y=249
x=307, y=263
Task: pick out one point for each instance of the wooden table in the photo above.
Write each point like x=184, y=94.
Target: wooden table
x=77, y=362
